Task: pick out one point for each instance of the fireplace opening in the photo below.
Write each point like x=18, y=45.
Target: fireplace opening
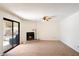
x=30, y=36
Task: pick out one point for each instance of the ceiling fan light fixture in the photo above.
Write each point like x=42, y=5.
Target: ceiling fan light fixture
x=45, y=18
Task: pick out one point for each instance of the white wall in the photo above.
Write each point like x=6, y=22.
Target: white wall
x=70, y=31
x=45, y=30
x=48, y=30
x=27, y=26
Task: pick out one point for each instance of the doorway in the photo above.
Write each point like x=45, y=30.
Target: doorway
x=11, y=34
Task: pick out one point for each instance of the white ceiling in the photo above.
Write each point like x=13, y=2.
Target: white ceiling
x=35, y=11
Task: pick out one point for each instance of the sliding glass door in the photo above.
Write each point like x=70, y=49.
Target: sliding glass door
x=11, y=34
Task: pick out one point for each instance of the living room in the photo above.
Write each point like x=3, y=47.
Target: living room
x=48, y=22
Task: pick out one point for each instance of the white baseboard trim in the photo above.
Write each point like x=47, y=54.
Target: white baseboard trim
x=70, y=46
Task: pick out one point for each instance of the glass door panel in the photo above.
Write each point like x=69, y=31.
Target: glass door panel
x=7, y=44
x=15, y=34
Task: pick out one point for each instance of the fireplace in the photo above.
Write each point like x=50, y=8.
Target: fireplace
x=30, y=36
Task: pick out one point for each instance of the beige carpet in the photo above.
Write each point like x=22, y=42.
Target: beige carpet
x=42, y=48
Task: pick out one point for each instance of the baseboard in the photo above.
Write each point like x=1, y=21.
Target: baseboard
x=69, y=46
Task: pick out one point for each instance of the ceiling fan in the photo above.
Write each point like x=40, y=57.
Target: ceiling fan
x=47, y=18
